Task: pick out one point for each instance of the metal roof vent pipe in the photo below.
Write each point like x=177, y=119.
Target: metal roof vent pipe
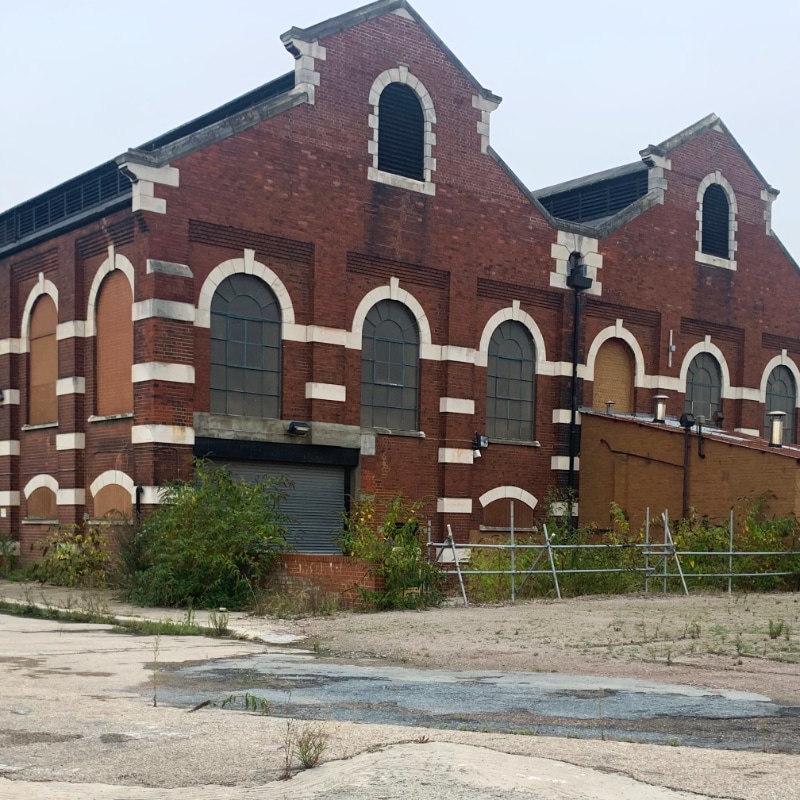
x=660, y=414
x=776, y=428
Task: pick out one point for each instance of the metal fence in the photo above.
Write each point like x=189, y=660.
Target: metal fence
x=654, y=559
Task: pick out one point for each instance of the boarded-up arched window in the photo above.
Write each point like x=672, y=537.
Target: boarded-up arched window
x=111, y=502
x=114, y=346
x=42, y=504
x=43, y=363
x=497, y=516
x=613, y=376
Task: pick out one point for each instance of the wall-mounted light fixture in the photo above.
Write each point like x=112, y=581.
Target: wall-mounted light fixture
x=660, y=414
x=776, y=428
x=480, y=442
x=298, y=428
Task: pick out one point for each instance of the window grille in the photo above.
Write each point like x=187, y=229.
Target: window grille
x=716, y=222
x=597, y=200
x=401, y=132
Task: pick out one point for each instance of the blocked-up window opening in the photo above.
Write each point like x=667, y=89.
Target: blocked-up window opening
x=114, y=346
x=112, y=502
x=716, y=222
x=390, y=368
x=497, y=515
x=43, y=363
x=614, y=376
x=511, y=383
x=245, y=348
x=782, y=396
x=401, y=132
x=42, y=504
x=703, y=387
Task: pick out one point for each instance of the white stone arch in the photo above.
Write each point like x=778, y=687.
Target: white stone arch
x=115, y=261
x=402, y=75
x=43, y=286
x=733, y=209
x=706, y=346
x=616, y=331
x=40, y=482
x=780, y=361
x=247, y=266
x=509, y=492
x=514, y=312
x=113, y=477
x=390, y=292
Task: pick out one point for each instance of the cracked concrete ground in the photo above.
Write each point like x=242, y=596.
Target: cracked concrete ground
x=77, y=721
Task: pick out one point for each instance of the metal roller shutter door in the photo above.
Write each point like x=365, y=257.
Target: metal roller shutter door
x=315, y=502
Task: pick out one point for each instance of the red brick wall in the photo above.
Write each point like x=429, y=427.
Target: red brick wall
x=339, y=575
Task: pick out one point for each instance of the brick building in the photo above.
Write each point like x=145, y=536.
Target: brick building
x=335, y=277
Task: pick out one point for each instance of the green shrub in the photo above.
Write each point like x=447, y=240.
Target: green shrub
x=8, y=555
x=74, y=555
x=391, y=544
x=210, y=543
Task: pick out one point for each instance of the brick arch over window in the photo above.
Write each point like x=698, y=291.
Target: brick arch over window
x=402, y=121
x=716, y=215
x=496, y=504
x=515, y=313
x=114, y=346
x=245, y=348
x=112, y=494
x=614, y=374
x=43, y=362
x=390, y=292
x=390, y=367
x=249, y=266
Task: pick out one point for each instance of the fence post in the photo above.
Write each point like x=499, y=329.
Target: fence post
x=458, y=566
x=513, y=560
x=666, y=533
x=646, y=548
x=730, y=551
x=552, y=562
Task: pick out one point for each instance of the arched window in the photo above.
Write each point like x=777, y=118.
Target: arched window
x=114, y=346
x=703, y=387
x=245, y=348
x=112, y=502
x=390, y=367
x=43, y=363
x=782, y=396
x=401, y=132
x=510, y=383
x=614, y=376
x=42, y=504
x=716, y=222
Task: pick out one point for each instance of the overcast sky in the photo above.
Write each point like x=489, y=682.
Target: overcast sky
x=586, y=84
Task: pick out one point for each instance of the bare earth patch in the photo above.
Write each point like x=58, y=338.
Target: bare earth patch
x=744, y=642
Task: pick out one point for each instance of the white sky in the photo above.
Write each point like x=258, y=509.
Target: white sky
x=586, y=83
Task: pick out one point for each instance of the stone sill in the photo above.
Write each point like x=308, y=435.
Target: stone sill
x=40, y=426
x=515, y=442
x=110, y=417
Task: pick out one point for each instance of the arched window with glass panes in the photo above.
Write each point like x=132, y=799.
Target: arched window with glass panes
x=704, y=387
x=781, y=396
x=511, y=371
x=390, y=368
x=245, y=348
